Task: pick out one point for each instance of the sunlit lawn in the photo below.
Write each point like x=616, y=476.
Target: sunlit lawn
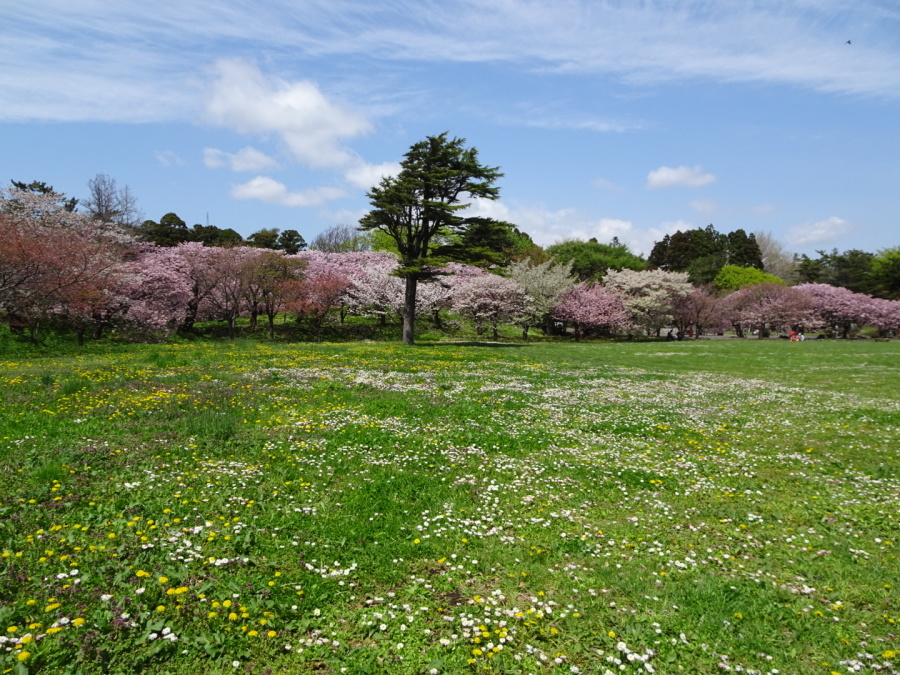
x=658, y=507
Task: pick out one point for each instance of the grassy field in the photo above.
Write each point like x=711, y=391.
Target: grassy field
x=373, y=508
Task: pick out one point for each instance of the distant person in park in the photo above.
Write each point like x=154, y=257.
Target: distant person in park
x=670, y=336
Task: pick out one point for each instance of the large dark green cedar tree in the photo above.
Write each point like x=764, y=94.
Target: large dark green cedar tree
x=424, y=201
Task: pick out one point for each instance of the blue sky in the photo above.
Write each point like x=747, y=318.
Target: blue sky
x=608, y=117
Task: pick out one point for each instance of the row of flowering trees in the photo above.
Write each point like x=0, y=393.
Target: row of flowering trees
x=61, y=266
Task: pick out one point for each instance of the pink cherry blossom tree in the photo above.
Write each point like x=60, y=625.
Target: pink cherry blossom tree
x=436, y=293
x=768, y=306
x=592, y=307
x=374, y=289
x=159, y=291
x=488, y=299
x=650, y=295
x=838, y=308
x=885, y=315
x=228, y=298
x=197, y=263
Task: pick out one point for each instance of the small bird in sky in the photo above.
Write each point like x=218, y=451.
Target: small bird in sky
x=848, y=42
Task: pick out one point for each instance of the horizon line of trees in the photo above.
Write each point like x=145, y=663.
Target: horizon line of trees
x=63, y=267
x=701, y=252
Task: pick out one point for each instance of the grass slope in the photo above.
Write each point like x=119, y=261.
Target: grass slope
x=363, y=508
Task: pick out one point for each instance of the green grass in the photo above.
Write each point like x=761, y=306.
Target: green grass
x=451, y=508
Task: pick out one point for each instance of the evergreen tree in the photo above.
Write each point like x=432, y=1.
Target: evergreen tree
x=422, y=201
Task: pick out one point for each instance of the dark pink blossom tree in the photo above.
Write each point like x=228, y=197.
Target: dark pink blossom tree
x=55, y=263
x=700, y=310
x=324, y=288
x=274, y=281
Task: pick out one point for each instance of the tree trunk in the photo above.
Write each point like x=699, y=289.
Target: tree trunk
x=79, y=332
x=409, y=312
x=191, y=316
x=271, y=326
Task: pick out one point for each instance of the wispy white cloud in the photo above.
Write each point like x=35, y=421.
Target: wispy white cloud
x=272, y=192
x=608, y=185
x=169, y=158
x=705, y=207
x=682, y=176
x=245, y=159
x=555, y=120
x=821, y=232
x=763, y=209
